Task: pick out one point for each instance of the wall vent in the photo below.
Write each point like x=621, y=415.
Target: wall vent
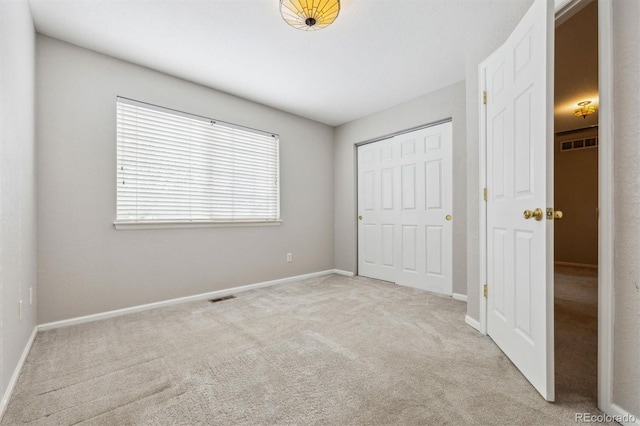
x=579, y=144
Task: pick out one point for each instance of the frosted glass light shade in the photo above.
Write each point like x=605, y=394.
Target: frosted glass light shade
x=585, y=109
x=309, y=15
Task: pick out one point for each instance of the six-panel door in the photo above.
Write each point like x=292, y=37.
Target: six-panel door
x=405, y=201
x=520, y=250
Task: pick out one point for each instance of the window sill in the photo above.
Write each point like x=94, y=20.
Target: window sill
x=126, y=225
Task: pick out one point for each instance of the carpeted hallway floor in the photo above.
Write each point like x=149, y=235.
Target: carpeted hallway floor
x=576, y=334
x=331, y=350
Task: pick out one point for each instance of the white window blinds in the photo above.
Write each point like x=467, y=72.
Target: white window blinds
x=177, y=167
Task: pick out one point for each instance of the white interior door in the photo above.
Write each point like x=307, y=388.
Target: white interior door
x=518, y=79
x=404, y=207
x=376, y=210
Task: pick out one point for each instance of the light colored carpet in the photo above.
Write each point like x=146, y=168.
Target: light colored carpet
x=332, y=350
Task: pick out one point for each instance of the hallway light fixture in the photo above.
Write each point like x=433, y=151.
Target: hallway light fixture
x=585, y=109
x=309, y=15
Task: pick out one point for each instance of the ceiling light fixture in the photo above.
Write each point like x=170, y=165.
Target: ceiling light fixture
x=309, y=15
x=585, y=109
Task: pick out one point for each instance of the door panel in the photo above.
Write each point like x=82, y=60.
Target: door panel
x=433, y=185
x=433, y=142
x=408, y=147
x=386, y=175
x=498, y=259
x=368, y=199
x=409, y=248
x=523, y=255
x=369, y=248
x=388, y=242
x=518, y=80
x=409, y=187
x=435, y=247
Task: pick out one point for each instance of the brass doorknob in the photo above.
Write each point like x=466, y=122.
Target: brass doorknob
x=448, y=217
x=558, y=214
x=536, y=214
x=359, y=217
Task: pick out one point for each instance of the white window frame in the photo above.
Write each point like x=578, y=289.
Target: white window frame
x=124, y=223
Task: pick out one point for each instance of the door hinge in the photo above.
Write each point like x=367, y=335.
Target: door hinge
x=484, y=97
x=485, y=291
x=484, y=192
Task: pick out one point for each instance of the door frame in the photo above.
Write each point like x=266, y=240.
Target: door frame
x=605, y=196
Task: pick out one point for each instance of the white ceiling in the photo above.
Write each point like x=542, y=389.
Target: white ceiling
x=378, y=53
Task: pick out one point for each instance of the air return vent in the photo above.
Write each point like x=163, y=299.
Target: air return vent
x=220, y=299
x=579, y=144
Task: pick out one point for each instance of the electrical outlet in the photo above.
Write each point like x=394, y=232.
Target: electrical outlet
x=20, y=310
x=30, y=296
x=289, y=257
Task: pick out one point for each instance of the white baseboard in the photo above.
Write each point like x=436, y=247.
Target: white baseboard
x=196, y=297
x=16, y=373
x=473, y=323
x=623, y=416
x=341, y=272
x=460, y=297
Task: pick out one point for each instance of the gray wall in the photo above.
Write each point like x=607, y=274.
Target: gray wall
x=448, y=102
x=626, y=59
x=17, y=183
x=85, y=266
x=576, y=195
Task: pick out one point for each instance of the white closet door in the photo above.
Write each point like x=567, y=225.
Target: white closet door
x=405, y=202
x=425, y=235
x=376, y=210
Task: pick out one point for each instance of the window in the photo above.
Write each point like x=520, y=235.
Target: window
x=175, y=167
